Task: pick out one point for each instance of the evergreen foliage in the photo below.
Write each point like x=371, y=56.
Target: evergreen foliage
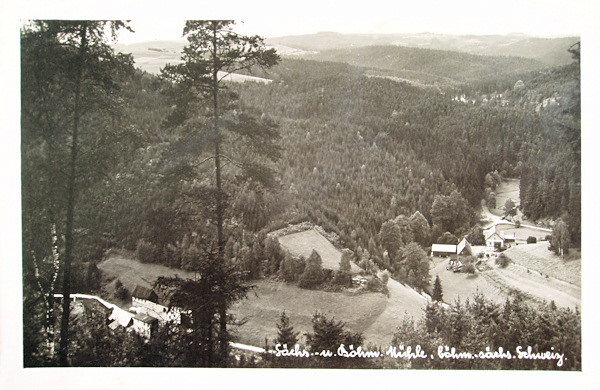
x=285, y=332
x=437, y=294
x=480, y=323
x=313, y=275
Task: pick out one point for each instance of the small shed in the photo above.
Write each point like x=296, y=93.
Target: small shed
x=510, y=238
x=443, y=250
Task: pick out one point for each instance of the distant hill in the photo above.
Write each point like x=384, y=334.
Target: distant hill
x=440, y=63
x=151, y=56
x=551, y=51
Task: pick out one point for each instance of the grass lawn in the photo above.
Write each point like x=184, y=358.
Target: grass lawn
x=522, y=233
x=508, y=189
x=303, y=243
x=270, y=298
x=537, y=257
x=374, y=314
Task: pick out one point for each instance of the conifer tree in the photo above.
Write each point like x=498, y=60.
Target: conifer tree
x=217, y=124
x=68, y=101
x=437, y=294
x=285, y=332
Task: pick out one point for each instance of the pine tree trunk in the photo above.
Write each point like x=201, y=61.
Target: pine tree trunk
x=71, y=198
x=222, y=338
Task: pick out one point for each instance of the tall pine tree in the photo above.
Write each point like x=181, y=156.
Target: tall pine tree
x=216, y=124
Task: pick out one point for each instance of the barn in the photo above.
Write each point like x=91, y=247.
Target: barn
x=443, y=250
x=464, y=248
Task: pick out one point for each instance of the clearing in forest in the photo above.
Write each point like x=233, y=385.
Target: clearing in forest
x=303, y=243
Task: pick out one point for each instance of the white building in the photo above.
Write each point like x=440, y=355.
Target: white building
x=145, y=301
x=493, y=241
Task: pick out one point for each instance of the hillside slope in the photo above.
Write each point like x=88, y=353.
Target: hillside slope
x=454, y=65
x=374, y=314
x=303, y=243
x=549, y=50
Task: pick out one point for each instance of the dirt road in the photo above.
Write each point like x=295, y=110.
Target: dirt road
x=402, y=302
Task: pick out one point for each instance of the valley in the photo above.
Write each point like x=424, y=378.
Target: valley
x=315, y=182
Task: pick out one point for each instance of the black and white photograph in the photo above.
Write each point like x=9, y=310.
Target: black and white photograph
x=371, y=192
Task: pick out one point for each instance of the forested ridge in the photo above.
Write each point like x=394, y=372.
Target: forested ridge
x=452, y=65
x=387, y=166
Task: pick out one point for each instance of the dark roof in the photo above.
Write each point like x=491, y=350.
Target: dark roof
x=145, y=293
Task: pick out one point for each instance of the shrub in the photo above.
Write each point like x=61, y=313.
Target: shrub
x=313, y=272
x=531, y=240
x=468, y=268
x=476, y=236
x=290, y=269
x=375, y=284
x=343, y=276
x=385, y=277
x=121, y=291
x=502, y=261
x=447, y=238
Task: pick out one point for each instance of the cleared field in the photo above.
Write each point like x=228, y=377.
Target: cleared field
x=303, y=243
x=538, y=258
x=402, y=302
x=374, y=314
x=497, y=283
x=522, y=232
x=269, y=299
x=508, y=189
x=132, y=273
x=538, y=287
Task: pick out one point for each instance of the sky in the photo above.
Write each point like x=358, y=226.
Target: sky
x=160, y=20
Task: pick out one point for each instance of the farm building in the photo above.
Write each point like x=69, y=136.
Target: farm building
x=493, y=241
x=145, y=301
x=142, y=295
x=443, y=250
x=509, y=238
x=144, y=325
x=464, y=248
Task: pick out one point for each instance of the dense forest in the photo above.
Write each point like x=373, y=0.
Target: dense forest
x=114, y=157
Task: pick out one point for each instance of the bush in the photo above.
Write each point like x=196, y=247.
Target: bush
x=147, y=252
x=313, y=272
x=290, y=268
x=531, y=240
x=468, y=268
x=476, y=236
x=121, y=291
x=343, y=276
x=502, y=261
x=385, y=277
